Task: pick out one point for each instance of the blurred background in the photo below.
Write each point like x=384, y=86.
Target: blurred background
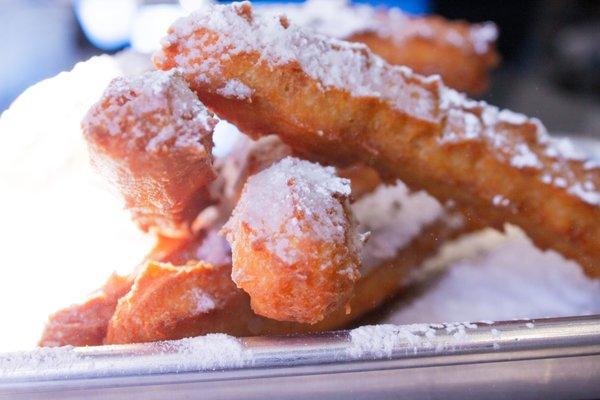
x=550, y=49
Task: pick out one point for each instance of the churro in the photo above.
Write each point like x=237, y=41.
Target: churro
x=152, y=139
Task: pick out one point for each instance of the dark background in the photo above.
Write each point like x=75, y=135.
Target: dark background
x=550, y=52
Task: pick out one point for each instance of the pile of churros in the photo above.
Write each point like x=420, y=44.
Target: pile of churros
x=352, y=171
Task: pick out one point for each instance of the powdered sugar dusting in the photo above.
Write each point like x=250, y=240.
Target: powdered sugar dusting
x=204, y=302
x=483, y=36
x=524, y=157
x=563, y=147
x=513, y=280
x=214, y=351
x=210, y=352
x=499, y=200
x=379, y=341
x=273, y=199
x=214, y=249
x=40, y=360
x=155, y=94
x=587, y=193
x=236, y=89
x=394, y=216
x=386, y=340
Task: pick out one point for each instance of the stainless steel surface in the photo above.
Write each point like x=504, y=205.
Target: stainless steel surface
x=550, y=358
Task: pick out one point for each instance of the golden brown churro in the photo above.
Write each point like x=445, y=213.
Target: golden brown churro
x=168, y=302
x=338, y=102
x=85, y=324
x=152, y=139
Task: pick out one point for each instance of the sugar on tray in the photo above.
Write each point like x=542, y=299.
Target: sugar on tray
x=512, y=280
x=394, y=216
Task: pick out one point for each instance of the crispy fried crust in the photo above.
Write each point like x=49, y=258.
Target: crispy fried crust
x=299, y=259
x=85, y=324
x=432, y=45
x=169, y=302
x=363, y=179
x=152, y=139
x=499, y=165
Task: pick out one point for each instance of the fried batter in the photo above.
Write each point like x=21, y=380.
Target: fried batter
x=168, y=302
x=85, y=324
x=152, y=139
x=338, y=102
x=295, y=247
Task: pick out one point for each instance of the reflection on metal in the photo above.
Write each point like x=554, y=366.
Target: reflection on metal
x=550, y=358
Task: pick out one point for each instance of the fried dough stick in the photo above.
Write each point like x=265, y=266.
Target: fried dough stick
x=338, y=102
x=173, y=301
x=461, y=53
x=152, y=139
x=294, y=241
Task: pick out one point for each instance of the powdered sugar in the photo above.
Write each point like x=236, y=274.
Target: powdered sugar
x=385, y=340
x=214, y=249
x=483, y=36
x=236, y=89
x=585, y=192
x=460, y=127
x=210, y=352
x=335, y=18
x=43, y=359
x=499, y=200
x=513, y=280
x=160, y=94
x=563, y=147
x=379, y=341
x=524, y=157
x=555, y=153
x=46, y=177
x=511, y=117
x=204, y=302
x=394, y=216
x=214, y=351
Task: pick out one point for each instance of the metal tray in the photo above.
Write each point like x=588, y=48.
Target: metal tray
x=546, y=358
